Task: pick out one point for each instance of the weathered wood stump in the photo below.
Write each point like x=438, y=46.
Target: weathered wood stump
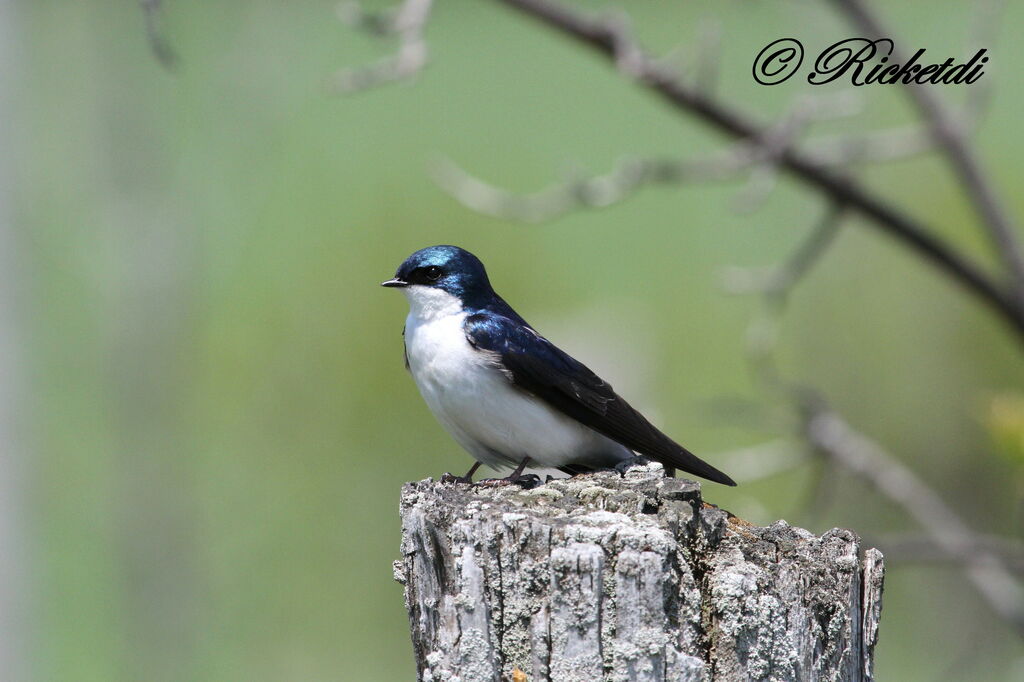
x=627, y=576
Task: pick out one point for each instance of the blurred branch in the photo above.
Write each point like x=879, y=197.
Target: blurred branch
x=777, y=281
x=595, y=191
x=986, y=569
x=629, y=176
x=611, y=39
x=829, y=434
x=756, y=161
x=823, y=489
x=706, y=57
x=916, y=548
x=766, y=151
x=874, y=147
x=775, y=285
x=407, y=22
x=949, y=135
x=158, y=42
x=987, y=17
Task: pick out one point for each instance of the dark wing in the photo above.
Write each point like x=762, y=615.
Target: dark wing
x=537, y=366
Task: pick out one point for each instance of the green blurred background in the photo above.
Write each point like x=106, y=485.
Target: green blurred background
x=215, y=417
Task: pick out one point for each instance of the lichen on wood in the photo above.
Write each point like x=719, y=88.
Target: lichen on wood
x=627, y=576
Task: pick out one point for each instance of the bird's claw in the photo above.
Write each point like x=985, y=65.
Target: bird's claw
x=527, y=481
x=452, y=478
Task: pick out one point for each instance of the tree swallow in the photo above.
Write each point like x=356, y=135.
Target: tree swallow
x=504, y=392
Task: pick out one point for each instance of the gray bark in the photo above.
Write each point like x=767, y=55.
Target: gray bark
x=627, y=576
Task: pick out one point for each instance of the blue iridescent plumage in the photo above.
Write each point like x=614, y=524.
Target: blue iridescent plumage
x=463, y=274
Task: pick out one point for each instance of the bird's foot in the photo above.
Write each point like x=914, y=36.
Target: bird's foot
x=493, y=482
x=468, y=478
x=527, y=481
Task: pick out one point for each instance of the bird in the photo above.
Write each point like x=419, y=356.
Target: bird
x=506, y=394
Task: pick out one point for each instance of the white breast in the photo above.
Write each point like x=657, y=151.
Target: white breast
x=496, y=422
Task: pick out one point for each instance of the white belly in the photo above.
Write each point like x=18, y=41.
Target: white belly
x=496, y=422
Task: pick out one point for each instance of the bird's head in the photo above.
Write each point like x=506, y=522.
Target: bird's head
x=439, y=278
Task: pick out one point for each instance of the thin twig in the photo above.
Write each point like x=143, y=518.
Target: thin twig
x=610, y=39
x=873, y=147
x=407, y=22
x=755, y=160
x=770, y=147
x=775, y=285
x=158, y=42
x=822, y=491
x=629, y=176
x=596, y=191
x=777, y=282
x=949, y=135
x=986, y=20
x=707, y=59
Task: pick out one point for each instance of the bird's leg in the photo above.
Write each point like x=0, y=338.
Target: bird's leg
x=468, y=478
x=515, y=475
x=528, y=480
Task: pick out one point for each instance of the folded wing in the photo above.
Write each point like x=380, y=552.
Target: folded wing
x=539, y=367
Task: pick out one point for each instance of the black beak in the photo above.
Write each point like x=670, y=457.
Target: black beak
x=395, y=283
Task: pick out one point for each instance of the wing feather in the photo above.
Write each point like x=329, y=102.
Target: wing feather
x=537, y=366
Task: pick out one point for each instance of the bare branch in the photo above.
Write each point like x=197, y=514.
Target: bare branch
x=708, y=57
x=757, y=161
x=873, y=147
x=985, y=25
x=826, y=431
x=407, y=22
x=987, y=571
x=610, y=39
x=598, y=191
x=632, y=175
x=785, y=134
x=777, y=282
x=949, y=135
x=158, y=43
x=698, y=61
x=769, y=150
x=826, y=479
x=775, y=285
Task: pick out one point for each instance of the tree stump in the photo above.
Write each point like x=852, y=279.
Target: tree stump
x=626, y=575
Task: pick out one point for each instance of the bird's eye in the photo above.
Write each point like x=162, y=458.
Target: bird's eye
x=433, y=273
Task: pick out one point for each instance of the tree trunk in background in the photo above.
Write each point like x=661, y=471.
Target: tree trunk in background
x=627, y=577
